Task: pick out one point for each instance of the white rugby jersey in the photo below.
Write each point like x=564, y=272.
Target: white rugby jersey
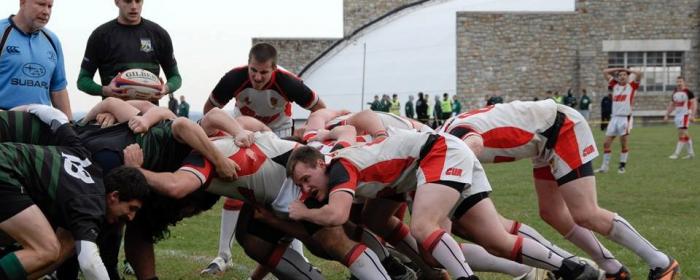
x=681, y=100
x=510, y=131
x=388, y=120
x=378, y=169
x=623, y=97
x=262, y=173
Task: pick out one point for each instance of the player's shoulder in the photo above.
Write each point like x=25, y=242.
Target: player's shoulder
x=282, y=75
x=151, y=25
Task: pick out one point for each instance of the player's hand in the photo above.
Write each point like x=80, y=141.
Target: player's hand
x=297, y=209
x=321, y=135
x=163, y=92
x=227, y=169
x=244, y=139
x=138, y=124
x=105, y=119
x=133, y=156
x=666, y=118
x=111, y=90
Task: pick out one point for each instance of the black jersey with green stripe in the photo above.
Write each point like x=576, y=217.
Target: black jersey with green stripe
x=23, y=127
x=114, y=48
x=61, y=181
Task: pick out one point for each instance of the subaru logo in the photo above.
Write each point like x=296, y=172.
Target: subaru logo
x=12, y=49
x=33, y=70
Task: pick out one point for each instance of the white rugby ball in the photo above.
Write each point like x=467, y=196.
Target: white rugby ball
x=139, y=83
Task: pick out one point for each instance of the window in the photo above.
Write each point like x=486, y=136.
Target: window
x=660, y=68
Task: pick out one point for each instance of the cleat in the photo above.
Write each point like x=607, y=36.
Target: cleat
x=621, y=170
x=671, y=272
x=473, y=277
x=434, y=273
x=536, y=274
x=572, y=270
x=673, y=156
x=602, y=169
x=216, y=267
x=397, y=270
x=622, y=274
x=689, y=156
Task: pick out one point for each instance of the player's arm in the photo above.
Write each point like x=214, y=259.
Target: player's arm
x=176, y=184
x=345, y=134
x=319, y=105
x=188, y=132
x=141, y=124
x=319, y=118
x=475, y=143
x=693, y=107
x=608, y=73
x=669, y=109
x=335, y=213
x=252, y=124
x=225, y=90
x=60, y=100
x=120, y=109
x=90, y=261
x=635, y=75
x=217, y=120
x=368, y=122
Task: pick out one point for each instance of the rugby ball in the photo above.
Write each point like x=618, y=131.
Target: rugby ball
x=138, y=83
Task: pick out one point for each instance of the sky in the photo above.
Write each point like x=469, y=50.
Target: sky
x=208, y=39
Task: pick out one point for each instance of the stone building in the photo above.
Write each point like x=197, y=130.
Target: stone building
x=520, y=55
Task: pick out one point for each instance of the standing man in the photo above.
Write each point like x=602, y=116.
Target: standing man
x=685, y=103
x=266, y=93
x=624, y=88
x=385, y=103
x=584, y=105
x=32, y=59
x=129, y=41
x=408, y=108
x=172, y=103
x=422, y=108
x=395, y=105
x=184, y=109
x=605, y=110
x=375, y=105
x=456, y=106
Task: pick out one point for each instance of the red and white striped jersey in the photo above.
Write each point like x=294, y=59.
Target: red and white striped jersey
x=623, y=97
x=510, y=131
x=378, y=169
x=681, y=100
x=263, y=168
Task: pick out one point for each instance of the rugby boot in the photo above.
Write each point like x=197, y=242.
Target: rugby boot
x=397, y=270
x=671, y=272
x=622, y=274
x=572, y=270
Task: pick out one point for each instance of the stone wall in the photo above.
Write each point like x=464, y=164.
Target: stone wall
x=521, y=55
x=294, y=53
x=357, y=13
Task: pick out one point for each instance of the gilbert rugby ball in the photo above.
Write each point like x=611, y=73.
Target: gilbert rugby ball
x=138, y=83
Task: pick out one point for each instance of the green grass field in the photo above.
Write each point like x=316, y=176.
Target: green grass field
x=660, y=197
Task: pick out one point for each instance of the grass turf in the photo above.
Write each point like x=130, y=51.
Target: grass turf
x=659, y=196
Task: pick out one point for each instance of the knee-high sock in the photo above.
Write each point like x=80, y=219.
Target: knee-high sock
x=529, y=252
x=689, y=144
x=286, y=263
x=229, y=218
x=364, y=264
x=606, y=158
x=623, y=156
x=480, y=260
x=11, y=268
x=679, y=146
x=586, y=240
x=624, y=234
x=374, y=244
x=448, y=253
x=526, y=231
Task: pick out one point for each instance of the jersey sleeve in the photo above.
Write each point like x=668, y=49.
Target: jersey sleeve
x=92, y=53
x=634, y=85
x=198, y=165
x=690, y=94
x=83, y=215
x=166, y=56
x=228, y=87
x=612, y=82
x=295, y=90
x=58, y=78
x=342, y=176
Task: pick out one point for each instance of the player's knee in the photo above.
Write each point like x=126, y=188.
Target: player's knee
x=548, y=215
x=421, y=230
x=585, y=219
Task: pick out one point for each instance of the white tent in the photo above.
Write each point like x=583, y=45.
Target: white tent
x=410, y=49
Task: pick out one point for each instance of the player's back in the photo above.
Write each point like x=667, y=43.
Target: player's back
x=23, y=127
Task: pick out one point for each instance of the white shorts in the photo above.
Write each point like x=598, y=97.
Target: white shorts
x=619, y=126
x=451, y=160
x=575, y=145
x=682, y=121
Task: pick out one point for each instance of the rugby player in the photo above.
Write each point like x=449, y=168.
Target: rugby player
x=684, y=102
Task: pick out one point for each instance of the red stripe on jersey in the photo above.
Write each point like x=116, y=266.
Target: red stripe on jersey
x=249, y=160
x=386, y=171
x=351, y=183
x=567, y=146
x=433, y=163
x=506, y=137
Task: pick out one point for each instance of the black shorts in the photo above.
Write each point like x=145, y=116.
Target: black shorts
x=13, y=201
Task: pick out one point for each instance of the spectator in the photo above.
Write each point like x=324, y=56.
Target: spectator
x=172, y=103
x=395, y=107
x=184, y=109
x=24, y=42
x=584, y=105
x=437, y=112
x=456, y=106
x=385, y=103
x=535, y=98
x=557, y=98
x=408, y=108
x=605, y=110
x=493, y=100
x=375, y=105
x=445, y=107
x=121, y=43
x=422, y=108
x=484, y=102
x=570, y=100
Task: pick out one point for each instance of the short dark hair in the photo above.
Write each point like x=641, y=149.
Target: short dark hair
x=129, y=182
x=304, y=154
x=263, y=52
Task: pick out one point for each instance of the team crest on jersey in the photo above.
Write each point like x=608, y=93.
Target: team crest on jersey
x=52, y=56
x=246, y=100
x=146, y=45
x=273, y=101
